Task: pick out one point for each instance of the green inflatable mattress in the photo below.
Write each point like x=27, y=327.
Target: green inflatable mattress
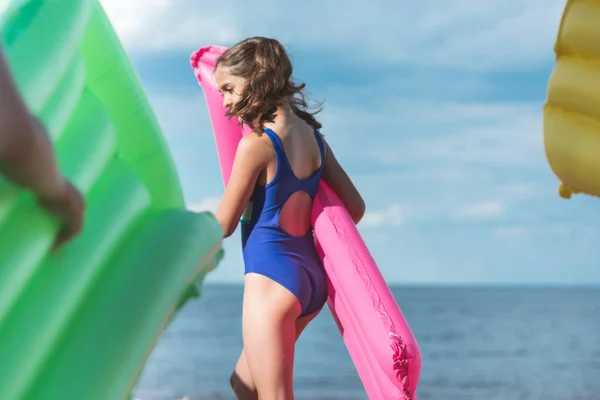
x=80, y=323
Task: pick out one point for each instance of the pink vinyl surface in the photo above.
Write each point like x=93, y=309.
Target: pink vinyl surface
x=378, y=338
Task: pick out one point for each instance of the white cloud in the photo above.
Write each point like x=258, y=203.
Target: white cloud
x=479, y=211
x=520, y=231
x=207, y=204
x=466, y=34
x=412, y=131
x=511, y=231
x=392, y=216
x=155, y=25
x=499, y=34
x=447, y=161
x=3, y=7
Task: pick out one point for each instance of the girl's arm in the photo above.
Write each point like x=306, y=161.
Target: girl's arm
x=335, y=176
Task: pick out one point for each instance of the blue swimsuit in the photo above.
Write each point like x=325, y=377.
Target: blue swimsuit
x=291, y=261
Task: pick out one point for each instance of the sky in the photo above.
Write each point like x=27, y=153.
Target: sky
x=433, y=108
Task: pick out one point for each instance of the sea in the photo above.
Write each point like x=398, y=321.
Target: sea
x=483, y=343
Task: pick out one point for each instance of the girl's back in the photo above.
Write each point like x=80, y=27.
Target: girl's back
x=276, y=235
x=304, y=157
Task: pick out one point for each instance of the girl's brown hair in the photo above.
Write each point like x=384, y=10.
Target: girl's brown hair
x=264, y=63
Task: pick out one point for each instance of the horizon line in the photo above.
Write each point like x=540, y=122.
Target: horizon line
x=500, y=285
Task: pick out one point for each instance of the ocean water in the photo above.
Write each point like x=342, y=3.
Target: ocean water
x=476, y=343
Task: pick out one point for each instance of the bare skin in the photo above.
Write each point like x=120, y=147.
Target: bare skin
x=27, y=159
x=270, y=322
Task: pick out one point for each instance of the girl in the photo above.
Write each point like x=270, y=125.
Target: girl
x=275, y=176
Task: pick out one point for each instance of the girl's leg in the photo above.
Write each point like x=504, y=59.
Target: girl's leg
x=269, y=335
x=241, y=380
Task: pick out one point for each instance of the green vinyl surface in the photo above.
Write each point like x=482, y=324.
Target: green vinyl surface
x=79, y=323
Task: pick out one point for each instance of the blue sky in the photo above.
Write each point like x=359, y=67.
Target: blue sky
x=433, y=108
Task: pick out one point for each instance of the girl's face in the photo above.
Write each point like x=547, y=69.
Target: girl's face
x=230, y=86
